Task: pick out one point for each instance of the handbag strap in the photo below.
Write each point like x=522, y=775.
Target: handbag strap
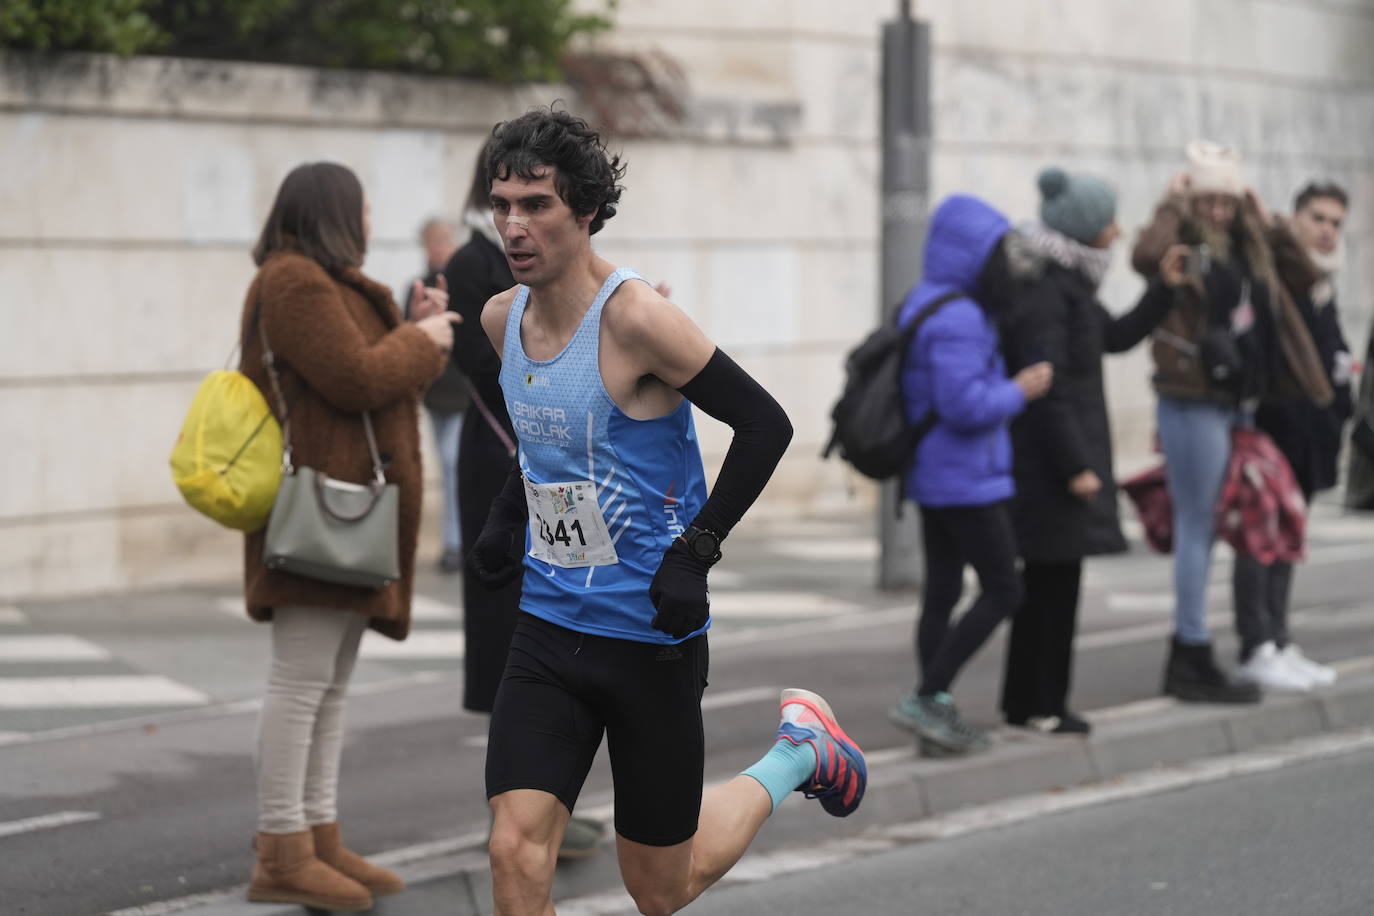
x=487, y=415
x=375, y=490
x=269, y=362
x=378, y=474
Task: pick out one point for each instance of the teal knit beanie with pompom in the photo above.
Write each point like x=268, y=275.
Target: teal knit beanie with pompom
x=1076, y=205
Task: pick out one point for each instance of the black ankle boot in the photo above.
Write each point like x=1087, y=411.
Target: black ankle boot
x=1193, y=676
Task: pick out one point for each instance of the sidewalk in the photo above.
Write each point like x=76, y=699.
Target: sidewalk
x=780, y=592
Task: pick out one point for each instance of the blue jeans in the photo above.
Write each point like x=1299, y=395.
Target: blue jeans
x=1196, y=438
x=448, y=427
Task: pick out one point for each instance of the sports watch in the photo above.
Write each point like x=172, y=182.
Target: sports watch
x=704, y=544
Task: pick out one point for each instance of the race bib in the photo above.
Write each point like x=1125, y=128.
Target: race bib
x=566, y=527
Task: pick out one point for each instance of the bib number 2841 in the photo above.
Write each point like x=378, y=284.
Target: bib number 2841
x=566, y=527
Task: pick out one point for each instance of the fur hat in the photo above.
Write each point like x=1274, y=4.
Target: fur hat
x=1214, y=169
x=1075, y=205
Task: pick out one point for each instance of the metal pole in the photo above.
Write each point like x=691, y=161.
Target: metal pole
x=905, y=208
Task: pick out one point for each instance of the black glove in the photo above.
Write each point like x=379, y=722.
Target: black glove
x=679, y=592
x=498, y=556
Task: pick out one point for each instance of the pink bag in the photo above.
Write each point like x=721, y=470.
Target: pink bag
x=1150, y=493
x=1261, y=512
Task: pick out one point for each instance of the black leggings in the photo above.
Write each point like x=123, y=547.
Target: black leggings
x=1040, y=651
x=955, y=536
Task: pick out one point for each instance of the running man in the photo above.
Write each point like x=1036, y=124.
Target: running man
x=607, y=515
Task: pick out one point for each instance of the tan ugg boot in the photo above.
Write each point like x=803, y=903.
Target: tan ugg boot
x=287, y=871
x=330, y=848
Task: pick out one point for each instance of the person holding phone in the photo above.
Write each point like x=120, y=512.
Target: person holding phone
x=1230, y=340
x=340, y=347
x=446, y=401
x=1065, y=507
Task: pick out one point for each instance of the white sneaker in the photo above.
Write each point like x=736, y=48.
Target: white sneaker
x=1320, y=675
x=1268, y=670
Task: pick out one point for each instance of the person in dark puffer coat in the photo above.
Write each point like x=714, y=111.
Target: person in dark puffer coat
x=1066, y=504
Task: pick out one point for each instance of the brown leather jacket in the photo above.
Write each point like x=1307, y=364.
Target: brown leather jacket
x=1178, y=371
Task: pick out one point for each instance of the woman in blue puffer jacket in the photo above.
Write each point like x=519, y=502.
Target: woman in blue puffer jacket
x=962, y=475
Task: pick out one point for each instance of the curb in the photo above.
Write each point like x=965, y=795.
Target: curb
x=1126, y=740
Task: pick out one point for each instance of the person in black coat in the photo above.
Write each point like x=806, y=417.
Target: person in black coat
x=1306, y=254
x=476, y=272
x=1066, y=506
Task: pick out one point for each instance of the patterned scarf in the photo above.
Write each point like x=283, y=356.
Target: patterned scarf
x=1054, y=246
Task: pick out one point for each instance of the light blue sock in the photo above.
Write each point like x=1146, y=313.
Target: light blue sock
x=785, y=767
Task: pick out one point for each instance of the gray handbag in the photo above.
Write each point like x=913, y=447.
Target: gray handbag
x=332, y=530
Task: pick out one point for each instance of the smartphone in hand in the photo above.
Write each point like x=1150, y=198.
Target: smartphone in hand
x=1198, y=263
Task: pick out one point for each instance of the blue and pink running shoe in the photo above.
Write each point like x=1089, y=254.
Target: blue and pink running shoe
x=841, y=775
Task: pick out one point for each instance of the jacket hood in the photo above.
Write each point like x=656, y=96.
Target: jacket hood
x=963, y=233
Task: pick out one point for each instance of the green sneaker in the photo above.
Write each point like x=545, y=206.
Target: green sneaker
x=582, y=838
x=936, y=721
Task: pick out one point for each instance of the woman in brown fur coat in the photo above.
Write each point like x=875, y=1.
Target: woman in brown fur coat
x=340, y=348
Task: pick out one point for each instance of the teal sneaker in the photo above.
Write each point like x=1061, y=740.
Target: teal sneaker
x=936, y=721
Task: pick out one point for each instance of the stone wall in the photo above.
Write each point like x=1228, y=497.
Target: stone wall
x=131, y=190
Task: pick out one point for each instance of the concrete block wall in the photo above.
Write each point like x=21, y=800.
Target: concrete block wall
x=132, y=190
x=131, y=194
x=1117, y=89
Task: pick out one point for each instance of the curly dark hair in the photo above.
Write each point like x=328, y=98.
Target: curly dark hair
x=587, y=176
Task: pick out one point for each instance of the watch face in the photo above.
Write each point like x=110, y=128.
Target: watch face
x=705, y=544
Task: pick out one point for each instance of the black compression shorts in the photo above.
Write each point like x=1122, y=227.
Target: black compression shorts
x=562, y=689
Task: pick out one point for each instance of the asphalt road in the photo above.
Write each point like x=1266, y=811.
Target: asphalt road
x=1294, y=841
x=164, y=809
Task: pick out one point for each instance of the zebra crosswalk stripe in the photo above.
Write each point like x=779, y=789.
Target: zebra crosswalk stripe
x=101, y=691
x=49, y=647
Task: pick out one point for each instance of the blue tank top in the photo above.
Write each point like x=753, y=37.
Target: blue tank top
x=647, y=476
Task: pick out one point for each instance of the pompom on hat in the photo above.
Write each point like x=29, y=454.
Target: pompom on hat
x=1214, y=168
x=1075, y=205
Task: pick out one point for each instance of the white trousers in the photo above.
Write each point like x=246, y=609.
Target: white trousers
x=300, y=738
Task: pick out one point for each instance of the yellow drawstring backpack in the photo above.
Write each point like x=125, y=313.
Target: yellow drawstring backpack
x=227, y=460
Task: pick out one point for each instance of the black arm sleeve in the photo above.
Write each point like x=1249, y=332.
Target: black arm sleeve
x=762, y=431
x=1122, y=332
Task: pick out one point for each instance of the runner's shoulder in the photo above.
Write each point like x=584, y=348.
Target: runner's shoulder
x=638, y=312
x=497, y=308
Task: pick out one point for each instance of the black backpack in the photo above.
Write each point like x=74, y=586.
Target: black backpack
x=869, y=420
